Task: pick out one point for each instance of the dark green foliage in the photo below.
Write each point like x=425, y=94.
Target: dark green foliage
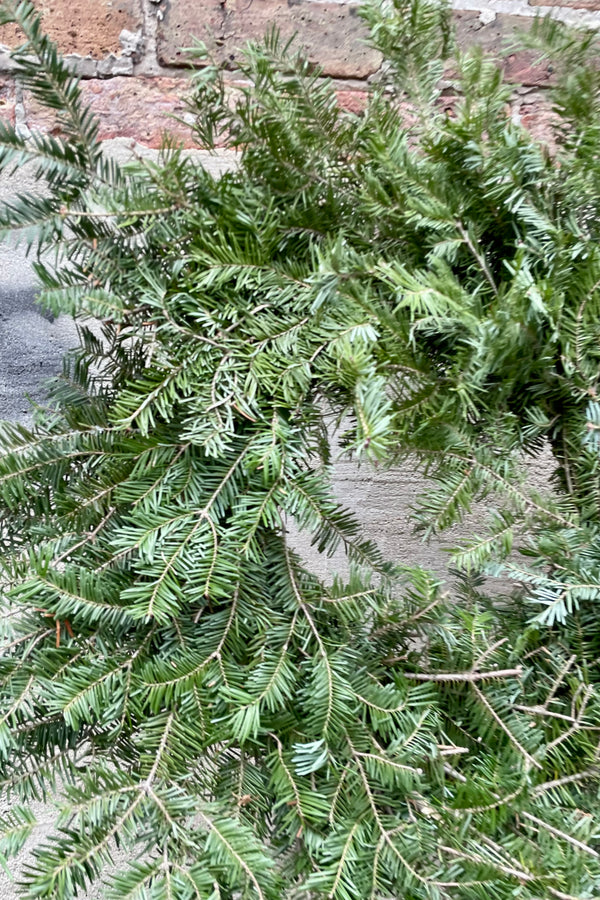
x=172, y=674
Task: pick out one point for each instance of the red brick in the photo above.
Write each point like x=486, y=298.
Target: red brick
x=495, y=37
x=86, y=27
x=138, y=108
x=540, y=121
x=353, y=101
x=331, y=34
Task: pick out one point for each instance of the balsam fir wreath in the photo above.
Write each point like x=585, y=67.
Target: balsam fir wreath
x=172, y=675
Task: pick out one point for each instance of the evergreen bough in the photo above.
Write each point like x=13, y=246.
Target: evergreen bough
x=173, y=676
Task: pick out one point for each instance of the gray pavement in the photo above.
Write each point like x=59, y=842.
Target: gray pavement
x=31, y=344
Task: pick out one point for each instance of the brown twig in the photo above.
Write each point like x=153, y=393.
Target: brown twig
x=469, y=677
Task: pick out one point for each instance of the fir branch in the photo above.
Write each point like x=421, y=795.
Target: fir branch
x=170, y=667
x=498, y=719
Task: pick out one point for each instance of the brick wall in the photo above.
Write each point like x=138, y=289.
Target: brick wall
x=135, y=74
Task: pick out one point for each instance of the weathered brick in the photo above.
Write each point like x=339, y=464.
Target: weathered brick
x=496, y=37
x=540, y=121
x=86, y=27
x=139, y=108
x=352, y=101
x=331, y=34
